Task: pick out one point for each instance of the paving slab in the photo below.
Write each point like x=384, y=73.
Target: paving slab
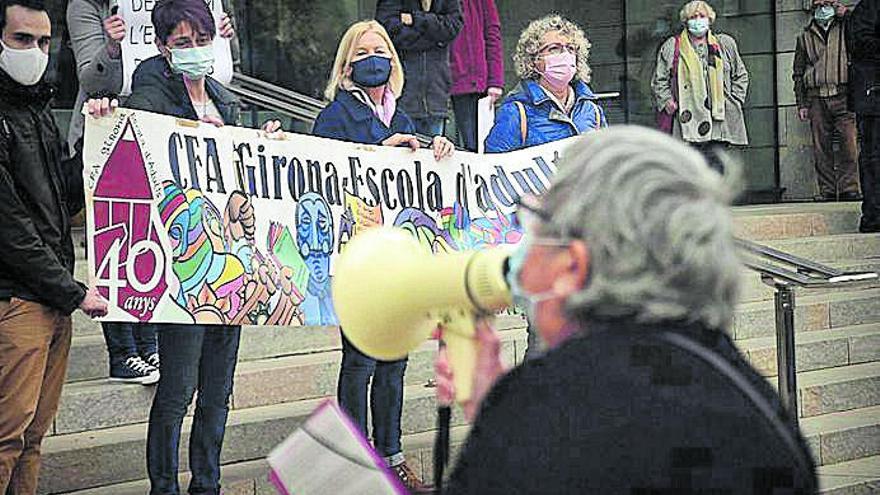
x=844, y=436
x=818, y=349
x=861, y=477
x=839, y=389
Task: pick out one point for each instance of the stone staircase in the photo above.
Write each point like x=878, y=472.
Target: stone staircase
x=97, y=445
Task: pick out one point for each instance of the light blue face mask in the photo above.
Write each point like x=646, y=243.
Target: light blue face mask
x=698, y=26
x=194, y=63
x=522, y=299
x=824, y=14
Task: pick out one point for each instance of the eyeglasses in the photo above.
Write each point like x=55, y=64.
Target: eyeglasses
x=558, y=49
x=529, y=214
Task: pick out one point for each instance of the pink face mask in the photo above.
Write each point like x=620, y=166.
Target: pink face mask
x=559, y=69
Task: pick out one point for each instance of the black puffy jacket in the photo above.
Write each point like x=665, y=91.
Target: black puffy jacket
x=38, y=194
x=424, y=51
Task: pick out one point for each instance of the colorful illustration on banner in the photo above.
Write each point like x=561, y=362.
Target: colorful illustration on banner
x=357, y=217
x=211, y=279
x=314, y=239
x=456, y=230
x=224, y=277
x=491, y=229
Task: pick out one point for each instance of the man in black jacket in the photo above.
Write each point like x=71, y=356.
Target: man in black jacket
x=629, y=271
x=864, y=46
x=37, y=289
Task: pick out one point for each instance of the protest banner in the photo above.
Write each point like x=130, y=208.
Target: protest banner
x=139, y=42
x=191, y=223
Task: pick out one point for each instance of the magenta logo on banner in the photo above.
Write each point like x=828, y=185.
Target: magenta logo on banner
x=130, y=259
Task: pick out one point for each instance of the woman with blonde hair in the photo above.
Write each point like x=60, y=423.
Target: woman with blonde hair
x=700, y=84
x=365, y=83
x=553, y=100
x=364, y=86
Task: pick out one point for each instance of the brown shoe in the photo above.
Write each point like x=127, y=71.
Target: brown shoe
x=410, y=480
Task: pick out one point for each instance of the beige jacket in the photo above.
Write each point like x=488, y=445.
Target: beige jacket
x=732, y=129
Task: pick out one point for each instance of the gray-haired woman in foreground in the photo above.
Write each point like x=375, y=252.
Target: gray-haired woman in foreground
x=630, y=273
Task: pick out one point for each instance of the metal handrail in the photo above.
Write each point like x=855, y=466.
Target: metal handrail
x=798, y=272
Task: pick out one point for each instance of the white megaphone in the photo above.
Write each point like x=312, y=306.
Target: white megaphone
x=390, y=293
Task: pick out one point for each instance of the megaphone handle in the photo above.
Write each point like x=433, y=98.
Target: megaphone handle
x=461, y=345
x=441, y=446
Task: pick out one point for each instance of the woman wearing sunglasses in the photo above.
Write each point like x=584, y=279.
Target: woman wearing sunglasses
x=553, y=100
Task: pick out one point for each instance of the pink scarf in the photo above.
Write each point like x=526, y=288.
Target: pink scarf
x=386, y=110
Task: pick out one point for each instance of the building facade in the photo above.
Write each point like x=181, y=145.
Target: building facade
x=293, y=42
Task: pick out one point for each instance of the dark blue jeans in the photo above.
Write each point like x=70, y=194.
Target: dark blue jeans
x=194, y=357
x=386, y=397
x=125, y=340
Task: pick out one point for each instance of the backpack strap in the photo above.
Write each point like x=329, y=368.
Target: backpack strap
x=523, y=123
x=738, y=379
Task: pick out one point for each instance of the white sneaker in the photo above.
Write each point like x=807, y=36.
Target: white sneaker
x=135, y=370
x=153, y=360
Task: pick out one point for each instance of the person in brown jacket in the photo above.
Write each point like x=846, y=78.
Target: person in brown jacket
x=820, y=78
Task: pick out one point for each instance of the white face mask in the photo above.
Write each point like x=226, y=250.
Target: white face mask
x=25, y=67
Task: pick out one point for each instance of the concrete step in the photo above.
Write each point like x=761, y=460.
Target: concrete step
x=812, y=312
x=83, y=325
x=97, y=404
x=250, y=477
x=818, y=349
x=843, y=436
x=784, y=221
x=839, y=389
x=859, y=477
x=89, y=361
x=831, y=248
x=240, y=478
x=98, y=458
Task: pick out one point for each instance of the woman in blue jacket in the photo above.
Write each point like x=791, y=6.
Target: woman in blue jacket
x=553, y=100
x=365, y=83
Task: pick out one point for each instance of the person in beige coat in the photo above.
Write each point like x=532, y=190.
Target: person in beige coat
x=701, y=82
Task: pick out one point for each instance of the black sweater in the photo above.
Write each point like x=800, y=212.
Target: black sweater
x=628, y=409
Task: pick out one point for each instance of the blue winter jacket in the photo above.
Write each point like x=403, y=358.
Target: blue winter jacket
x=349, y=119
x=544, y=121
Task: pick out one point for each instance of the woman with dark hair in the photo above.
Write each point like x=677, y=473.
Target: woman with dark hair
x=194, y=357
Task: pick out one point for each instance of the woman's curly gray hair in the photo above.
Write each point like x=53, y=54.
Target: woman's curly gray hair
x=656, y=221
x=530, y=42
